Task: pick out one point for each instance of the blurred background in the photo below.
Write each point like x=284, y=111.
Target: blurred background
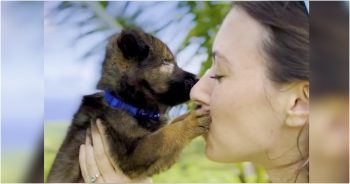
x=22, y=88
x=329, y=92
x=51, y=54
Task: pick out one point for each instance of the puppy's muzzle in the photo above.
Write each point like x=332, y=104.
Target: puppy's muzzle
x=189, y=81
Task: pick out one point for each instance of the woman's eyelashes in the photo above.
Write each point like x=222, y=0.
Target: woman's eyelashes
x=217, y=77
x=217, y=72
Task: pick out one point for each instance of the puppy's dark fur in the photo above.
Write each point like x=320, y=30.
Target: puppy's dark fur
x=141, y=70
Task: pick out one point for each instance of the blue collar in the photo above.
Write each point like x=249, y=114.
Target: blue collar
x=138, y=113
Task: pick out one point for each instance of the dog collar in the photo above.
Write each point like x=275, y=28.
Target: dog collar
x=138, y=113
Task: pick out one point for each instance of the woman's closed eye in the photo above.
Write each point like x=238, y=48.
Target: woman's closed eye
x=217, y=77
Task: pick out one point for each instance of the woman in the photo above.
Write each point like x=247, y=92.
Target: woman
x=257, y=90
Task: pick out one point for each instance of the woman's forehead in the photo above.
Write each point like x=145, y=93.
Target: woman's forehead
x=239, y=35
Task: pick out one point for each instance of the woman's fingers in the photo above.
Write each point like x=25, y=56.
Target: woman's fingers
x=118, y=175
x=82, y=162
x=95, y=161
x=102, y=133
x=92, y=168
x=104, y=164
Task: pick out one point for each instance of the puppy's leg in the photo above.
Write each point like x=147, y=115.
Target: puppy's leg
x=197, y=113
x=159, y=150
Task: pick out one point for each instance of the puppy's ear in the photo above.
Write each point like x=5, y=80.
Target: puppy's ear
x=132, y=46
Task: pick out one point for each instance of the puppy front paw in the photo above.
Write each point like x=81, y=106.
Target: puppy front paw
x=198, y=124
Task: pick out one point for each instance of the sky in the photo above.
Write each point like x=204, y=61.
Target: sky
x=22, y=85
x=22, y=65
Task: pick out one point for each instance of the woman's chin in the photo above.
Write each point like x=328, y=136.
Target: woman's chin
x=213, y=156
x=210, y=150
x=209, y=153
x=214, y=153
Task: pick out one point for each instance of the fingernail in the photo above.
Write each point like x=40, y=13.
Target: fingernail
x=99, y=124
x=98, y=121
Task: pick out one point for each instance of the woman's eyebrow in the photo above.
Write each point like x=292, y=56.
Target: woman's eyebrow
x=216, y=54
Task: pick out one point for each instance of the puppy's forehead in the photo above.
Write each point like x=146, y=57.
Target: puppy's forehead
x=160, y=47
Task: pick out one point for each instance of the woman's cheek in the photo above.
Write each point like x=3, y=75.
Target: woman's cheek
x=213, y=148
x=224, y=134
x=210, y=138
x=218, y=143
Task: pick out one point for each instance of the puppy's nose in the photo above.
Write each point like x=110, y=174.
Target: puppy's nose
x=196, y=79
x=190, y=80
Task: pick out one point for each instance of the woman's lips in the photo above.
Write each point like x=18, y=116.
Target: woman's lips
x=203, y=110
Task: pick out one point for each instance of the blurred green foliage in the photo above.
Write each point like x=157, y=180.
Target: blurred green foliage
x=208, y=16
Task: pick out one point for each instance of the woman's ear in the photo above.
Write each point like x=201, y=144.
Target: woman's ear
x=298, y=107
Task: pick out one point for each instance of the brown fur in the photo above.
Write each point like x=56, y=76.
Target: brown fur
x=132, y=72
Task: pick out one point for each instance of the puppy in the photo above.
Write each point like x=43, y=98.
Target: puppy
x=140, y=81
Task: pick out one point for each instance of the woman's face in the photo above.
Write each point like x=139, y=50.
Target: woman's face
x=244, y=106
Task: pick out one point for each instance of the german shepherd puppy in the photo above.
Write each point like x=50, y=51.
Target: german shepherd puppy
x=141, y=81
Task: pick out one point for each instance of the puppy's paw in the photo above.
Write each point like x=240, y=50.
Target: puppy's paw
x=198, y=124
x=203, y=123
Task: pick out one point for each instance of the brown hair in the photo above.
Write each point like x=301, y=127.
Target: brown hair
x=287, y=47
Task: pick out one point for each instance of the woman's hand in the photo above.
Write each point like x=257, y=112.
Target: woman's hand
x=96, y=163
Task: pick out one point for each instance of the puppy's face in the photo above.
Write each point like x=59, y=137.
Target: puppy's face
x=141, y=66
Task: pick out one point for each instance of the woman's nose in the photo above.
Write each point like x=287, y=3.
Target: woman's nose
x=201, y=92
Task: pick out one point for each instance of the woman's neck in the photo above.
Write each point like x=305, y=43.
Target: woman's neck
x=286, y=160
x=295, y=172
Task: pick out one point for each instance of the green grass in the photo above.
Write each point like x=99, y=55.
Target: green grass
x=192, y=166
x=54, y=135
x=14, y=165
